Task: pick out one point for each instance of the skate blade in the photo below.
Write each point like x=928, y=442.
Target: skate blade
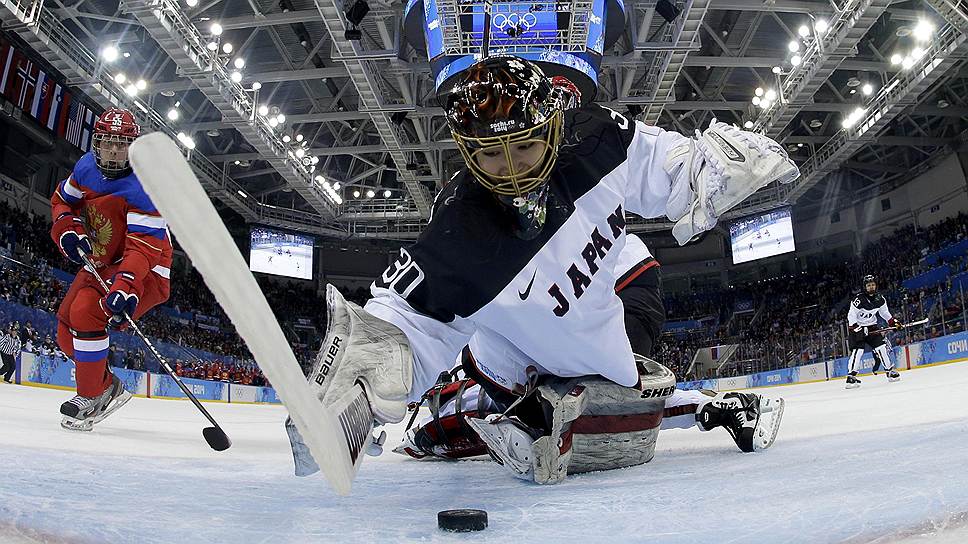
x=768, y=427
x=76, y=425
x=892, y=380
x=118, y=402
x=852, y=386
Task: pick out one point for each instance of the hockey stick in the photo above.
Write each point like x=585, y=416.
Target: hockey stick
x=215, y=436
x=334, y=431
x=903, y=326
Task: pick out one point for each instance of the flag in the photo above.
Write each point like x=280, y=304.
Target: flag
x=87, y=130
x=9, y=87
x=42, y=96
x=60, y=123
x=7, y=55
x=75, y=122
x=51, y=108
x=25, y=83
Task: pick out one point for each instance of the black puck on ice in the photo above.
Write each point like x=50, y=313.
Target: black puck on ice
x=463, y=520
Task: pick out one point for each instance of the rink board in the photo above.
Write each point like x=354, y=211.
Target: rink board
x=45, y=371
x=56, y=373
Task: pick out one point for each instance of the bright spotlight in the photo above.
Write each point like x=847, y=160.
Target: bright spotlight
x=215, y=29
x=131, y=90
x=821, y=26
x=922, y=31
x=896, y=59
x=256, y=85
x=756, y=100
x=758, y=91
x=141, y=84
x=336, y=185
x=777, y=69
x=239, y=63
x=770, y=95
x=212, y=46
x=907, y=62
x=120, y=79
x=173, y=114
x=191, y=3
x=796, y=60
x=300, y=152
x=299, y=137
x=109, y=53
x=387, y=193
x=236, y=76
x=227, y=48
x=356, y=194
x=273, y=123
x=803, y=31
x=917, y=53
x=281, y=118
x=370, y=193
x=867, y=89
x=748, y=125
x=263, y=110
x=793, y=46
x=286, y=138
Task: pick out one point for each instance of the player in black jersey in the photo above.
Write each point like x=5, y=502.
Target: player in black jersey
x=862, y=325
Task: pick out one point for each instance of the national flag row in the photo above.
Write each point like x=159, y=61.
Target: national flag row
x=36, y=92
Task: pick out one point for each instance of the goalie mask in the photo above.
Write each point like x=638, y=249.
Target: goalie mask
x=114, y=131
x=508, y=125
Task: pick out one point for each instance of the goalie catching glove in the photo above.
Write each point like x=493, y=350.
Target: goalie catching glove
x=716, y=171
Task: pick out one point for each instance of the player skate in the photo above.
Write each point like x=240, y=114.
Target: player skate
x=752, y=420
x=81, y=413
x=852, y=381
x=893, y=375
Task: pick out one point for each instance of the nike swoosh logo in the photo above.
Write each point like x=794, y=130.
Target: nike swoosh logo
x=527, y=291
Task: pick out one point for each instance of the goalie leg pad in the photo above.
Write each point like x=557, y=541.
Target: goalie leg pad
x=361, y=347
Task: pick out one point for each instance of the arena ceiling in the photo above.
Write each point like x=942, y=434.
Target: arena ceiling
x=856, y=119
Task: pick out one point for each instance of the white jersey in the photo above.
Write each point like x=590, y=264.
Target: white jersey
x=549, y=301
x=865, y=308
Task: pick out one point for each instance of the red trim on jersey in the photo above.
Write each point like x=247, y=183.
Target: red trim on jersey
x=616, y=424
x=681, y=410
x=627, y=278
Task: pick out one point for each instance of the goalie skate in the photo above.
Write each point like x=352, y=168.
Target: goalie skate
x=81, y=413
x=336, y=426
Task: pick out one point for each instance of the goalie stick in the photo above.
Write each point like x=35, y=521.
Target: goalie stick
x=336, y=430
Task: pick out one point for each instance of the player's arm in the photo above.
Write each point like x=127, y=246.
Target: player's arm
x=852, y=316
x=886, y=315
x=146, y=243
x=693, y=181
x=67, y=227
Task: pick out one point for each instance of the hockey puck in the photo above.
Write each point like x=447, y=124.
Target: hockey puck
x=462, y=521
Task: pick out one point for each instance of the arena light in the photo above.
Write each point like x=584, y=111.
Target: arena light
x=299, y=137
x=212, y=46
x=263, y=110
x=777, y=70
x=796, y=60
x=256, y=85
x=131, y=90
x=917, y=53
x=141, y=84
x=281, y=118
x=273, y=122
x=300, y=152
x=803, y=31
x=821, y=26
x=173, y=114
x=326, y=185
x=110, y=53
x=923, y=30
x=748, y=125
x=770, y=95
x=120, y=78
x=227, y=48
x=236, y=76
x=758, y=91
x=356, y=194
x=867, y=89
x=336, y=185
x=757, y=100
x=896, y=59
x=239, y=63
x=215, y=29
x=286, y=138
x=793, y=46
x=314, y=160
x=191, y=3
x=387, y=193
x=370, y=193
x=907, y=62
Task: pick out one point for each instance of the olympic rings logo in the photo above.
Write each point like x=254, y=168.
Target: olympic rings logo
x=515, y=21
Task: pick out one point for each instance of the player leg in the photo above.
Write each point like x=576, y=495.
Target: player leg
x=855, y=345
x=644, y=310
x=883, y=356
x=752, y=420
x=83, y=336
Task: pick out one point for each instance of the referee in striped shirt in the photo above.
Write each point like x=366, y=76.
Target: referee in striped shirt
x=9, y=348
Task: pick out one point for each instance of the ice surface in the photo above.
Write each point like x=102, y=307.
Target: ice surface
x=884, y=463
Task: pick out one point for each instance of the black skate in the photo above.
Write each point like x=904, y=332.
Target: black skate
x=81, y=413
x=893, y=375
x=752, y=420
x=852, y=381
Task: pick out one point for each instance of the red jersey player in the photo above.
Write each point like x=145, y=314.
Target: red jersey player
x=102, y=210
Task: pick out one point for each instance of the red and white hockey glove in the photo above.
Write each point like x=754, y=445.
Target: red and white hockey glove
x=71, y=238
x=121, y=299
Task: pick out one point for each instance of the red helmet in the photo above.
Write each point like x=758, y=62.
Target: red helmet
x=114, y=130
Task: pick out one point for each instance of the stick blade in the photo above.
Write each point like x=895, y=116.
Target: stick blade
x=216, y=438
x=168, y=179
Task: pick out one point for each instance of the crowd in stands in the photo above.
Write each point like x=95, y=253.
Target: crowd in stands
x=785, y=321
